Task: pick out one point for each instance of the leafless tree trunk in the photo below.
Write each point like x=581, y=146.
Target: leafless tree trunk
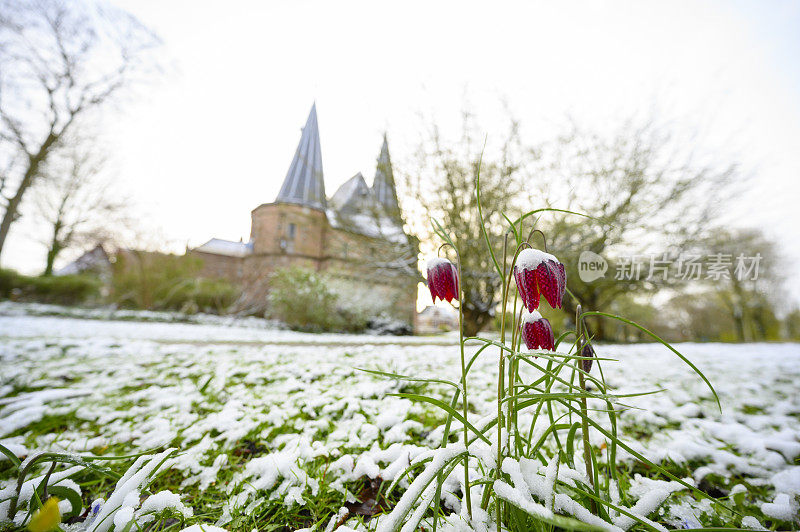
x=77, y=203
x=59, y=61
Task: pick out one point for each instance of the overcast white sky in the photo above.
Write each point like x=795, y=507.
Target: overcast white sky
x=215, y=137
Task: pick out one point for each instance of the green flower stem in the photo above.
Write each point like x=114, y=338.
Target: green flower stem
x=500, y=382
x=467, y=495
x=587, y=453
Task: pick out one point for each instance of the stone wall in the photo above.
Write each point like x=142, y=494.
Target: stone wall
x=356, y=259
x=283, y=228
x=220, y=266
x=286, y=235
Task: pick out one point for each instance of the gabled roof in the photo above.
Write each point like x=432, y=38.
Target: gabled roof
x=353, y=195
x=304, y=183
x=354, y=208
x=218, y=246
x=94, y=259
x=383, y=186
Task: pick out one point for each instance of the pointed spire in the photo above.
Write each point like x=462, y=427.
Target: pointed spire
x=304, y=182
x=383, y=186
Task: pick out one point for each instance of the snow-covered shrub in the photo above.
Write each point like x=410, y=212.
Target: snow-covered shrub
x=156, y=281
x=307, y=301
x=362, y=308
x=62, y=290
x=384, y=324
x=213, y=296
x=302, y=300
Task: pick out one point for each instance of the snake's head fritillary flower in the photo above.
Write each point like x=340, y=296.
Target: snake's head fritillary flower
x=442, y=279
x=537, y=332
x=539, y=273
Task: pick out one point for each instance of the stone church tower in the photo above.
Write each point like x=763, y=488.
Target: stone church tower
x=356, y=236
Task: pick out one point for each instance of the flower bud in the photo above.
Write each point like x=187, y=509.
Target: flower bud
x=46, y=518
x=539, y=273
x=442, y=279
x=537, y=332
x=588, y=352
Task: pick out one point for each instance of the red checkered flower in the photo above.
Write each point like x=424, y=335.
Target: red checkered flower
x=442, y=279
x=539, y=273
x=537, y=332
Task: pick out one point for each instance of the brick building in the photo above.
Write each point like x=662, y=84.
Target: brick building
x=356, y=236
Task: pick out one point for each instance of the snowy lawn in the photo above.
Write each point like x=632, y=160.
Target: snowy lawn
x=276, y=429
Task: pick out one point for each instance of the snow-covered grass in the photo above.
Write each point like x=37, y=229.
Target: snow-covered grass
x=275, y=428
x=10, y=308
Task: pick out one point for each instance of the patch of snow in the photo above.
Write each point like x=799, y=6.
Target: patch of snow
x=752, y=523
x=203, y=528
x=784, y=507
x=415, y=491
x=530, y=316
x=787, y=481
x=131, y=482
x=530, y=259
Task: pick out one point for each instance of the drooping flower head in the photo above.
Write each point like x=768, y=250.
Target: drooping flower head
x=442, y=279
x=539, y=273
x=537, y=332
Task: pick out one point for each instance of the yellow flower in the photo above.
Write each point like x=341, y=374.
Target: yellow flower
x=46, y=518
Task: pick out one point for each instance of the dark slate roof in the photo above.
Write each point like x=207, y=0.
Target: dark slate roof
x=304, y=183
x=94, y=259
x=383, y=186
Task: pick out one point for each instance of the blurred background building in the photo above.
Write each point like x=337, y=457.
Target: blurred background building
x=356, y=235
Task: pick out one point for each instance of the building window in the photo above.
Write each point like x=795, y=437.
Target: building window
x=291, y=232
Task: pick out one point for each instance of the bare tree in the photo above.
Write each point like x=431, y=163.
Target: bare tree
x=79, y=205
x=750, y=285
x=645, y=188
x=651, y=195
x=59, y=62
x=739, y=295
x=444, y=187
